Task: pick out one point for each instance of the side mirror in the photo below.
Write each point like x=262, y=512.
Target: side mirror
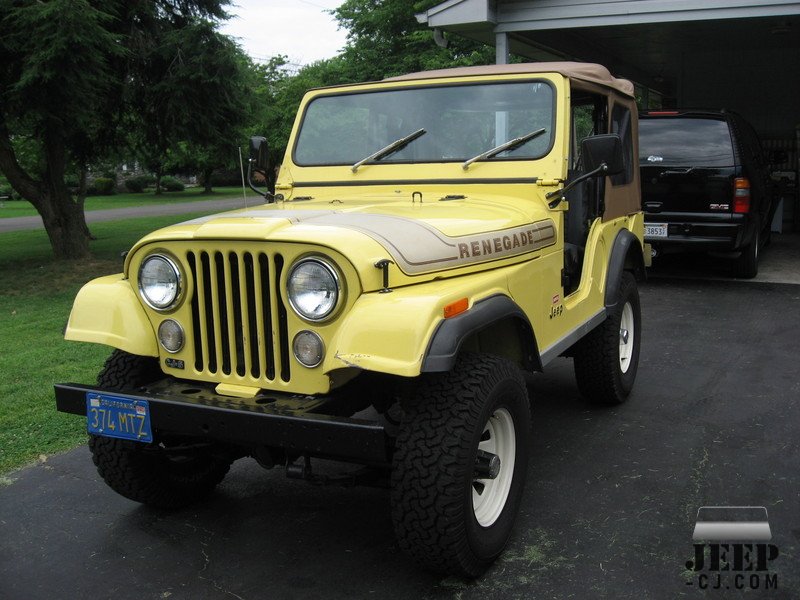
x=601, y=155
x=259, y=153
x=259, y=163
x=602, y=149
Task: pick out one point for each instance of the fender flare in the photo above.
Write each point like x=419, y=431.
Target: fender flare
x=626, y=255
x=450, y=334
x=107, y=311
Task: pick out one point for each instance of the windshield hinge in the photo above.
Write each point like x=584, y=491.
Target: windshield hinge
x=549, y=182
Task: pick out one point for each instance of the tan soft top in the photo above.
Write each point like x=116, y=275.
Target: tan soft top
x=590, y=72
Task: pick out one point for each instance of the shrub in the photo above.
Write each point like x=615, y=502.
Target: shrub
x=138, y=183
x=229, y=177
x=171, y=184
x=135, y=185
x=102, y=186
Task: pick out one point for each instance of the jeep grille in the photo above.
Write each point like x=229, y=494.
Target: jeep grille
x=238, y=316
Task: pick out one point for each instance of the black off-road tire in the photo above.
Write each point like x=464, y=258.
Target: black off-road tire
x=600, y=375
x=146, y=473
x=746, y=266
x=434, y=465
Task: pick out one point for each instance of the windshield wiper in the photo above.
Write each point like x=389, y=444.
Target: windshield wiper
x=390, y=149
x=509, y=145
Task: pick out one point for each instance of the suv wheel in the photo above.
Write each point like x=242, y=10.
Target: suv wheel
x=157, y=474
x=460, y=464
x=606, y=360
x=746, y=266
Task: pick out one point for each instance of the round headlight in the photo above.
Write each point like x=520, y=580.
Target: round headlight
x=313, y=289
x=159, y=281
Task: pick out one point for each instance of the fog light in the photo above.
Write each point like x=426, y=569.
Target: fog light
x=170, y=334
x=308, y=348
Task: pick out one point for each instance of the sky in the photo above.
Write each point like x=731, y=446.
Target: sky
x=300, y=29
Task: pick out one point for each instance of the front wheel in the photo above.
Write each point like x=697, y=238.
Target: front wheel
x=606, y=360
x=166, y=473
x=460, y=464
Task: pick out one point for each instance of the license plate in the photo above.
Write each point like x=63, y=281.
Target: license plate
x=655, y=230
x=113, y=416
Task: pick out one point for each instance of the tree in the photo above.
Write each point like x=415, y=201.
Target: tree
x=192, y=98
x=54, y=99
x=384, y=39
x=279, y=95
x=65, y=68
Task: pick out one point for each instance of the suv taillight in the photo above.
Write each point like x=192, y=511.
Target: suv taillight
x=741, y=195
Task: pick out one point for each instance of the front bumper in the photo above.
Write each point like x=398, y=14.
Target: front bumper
x=298, y=424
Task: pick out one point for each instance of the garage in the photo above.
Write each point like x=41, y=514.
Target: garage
x=736, y=55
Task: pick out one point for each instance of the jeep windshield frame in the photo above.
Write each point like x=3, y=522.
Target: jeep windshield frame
x=462, y=120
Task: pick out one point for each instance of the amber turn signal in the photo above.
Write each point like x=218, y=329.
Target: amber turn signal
x=456, y=308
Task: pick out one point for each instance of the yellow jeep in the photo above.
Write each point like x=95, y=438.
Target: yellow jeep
x=430, y=240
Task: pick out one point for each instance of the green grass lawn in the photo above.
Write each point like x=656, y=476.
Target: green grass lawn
x=35, y=299
x=23, y=208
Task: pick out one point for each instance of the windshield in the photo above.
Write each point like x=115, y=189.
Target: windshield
x=460, y=122
x=685, y=142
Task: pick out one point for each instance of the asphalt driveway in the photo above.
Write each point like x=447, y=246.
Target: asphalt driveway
x=608, y=513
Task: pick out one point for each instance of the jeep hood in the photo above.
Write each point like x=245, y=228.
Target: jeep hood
x=420, y=238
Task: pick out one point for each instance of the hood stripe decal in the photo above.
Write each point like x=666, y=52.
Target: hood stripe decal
x=417, y=247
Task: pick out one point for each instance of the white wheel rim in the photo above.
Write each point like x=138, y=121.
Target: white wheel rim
x=626, y=337
x=489, y=495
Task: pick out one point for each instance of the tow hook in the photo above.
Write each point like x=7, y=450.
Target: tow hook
x=302, y=471
x=487, y=465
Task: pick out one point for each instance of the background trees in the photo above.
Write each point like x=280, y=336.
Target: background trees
x=85, y=82
x=58, y=92
x=191, y=97
x=73, y=75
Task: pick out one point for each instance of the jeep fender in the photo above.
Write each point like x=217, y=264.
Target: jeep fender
x=404, y=332
x=451, y=333
x=107, y=311
x=626, y=255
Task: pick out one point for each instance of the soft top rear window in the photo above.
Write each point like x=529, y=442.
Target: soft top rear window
x=678, y=141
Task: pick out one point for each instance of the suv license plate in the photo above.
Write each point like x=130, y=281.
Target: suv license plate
x=113, y=416
x=655, y=230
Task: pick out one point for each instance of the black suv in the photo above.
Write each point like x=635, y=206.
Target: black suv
x=705, y=184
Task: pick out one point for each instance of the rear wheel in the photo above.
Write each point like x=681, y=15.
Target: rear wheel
x=165, y=473
x=460, y=465
x=607, y=359
x=746, y=266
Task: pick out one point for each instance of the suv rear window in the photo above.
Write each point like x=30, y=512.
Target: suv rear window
x=685, y=142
